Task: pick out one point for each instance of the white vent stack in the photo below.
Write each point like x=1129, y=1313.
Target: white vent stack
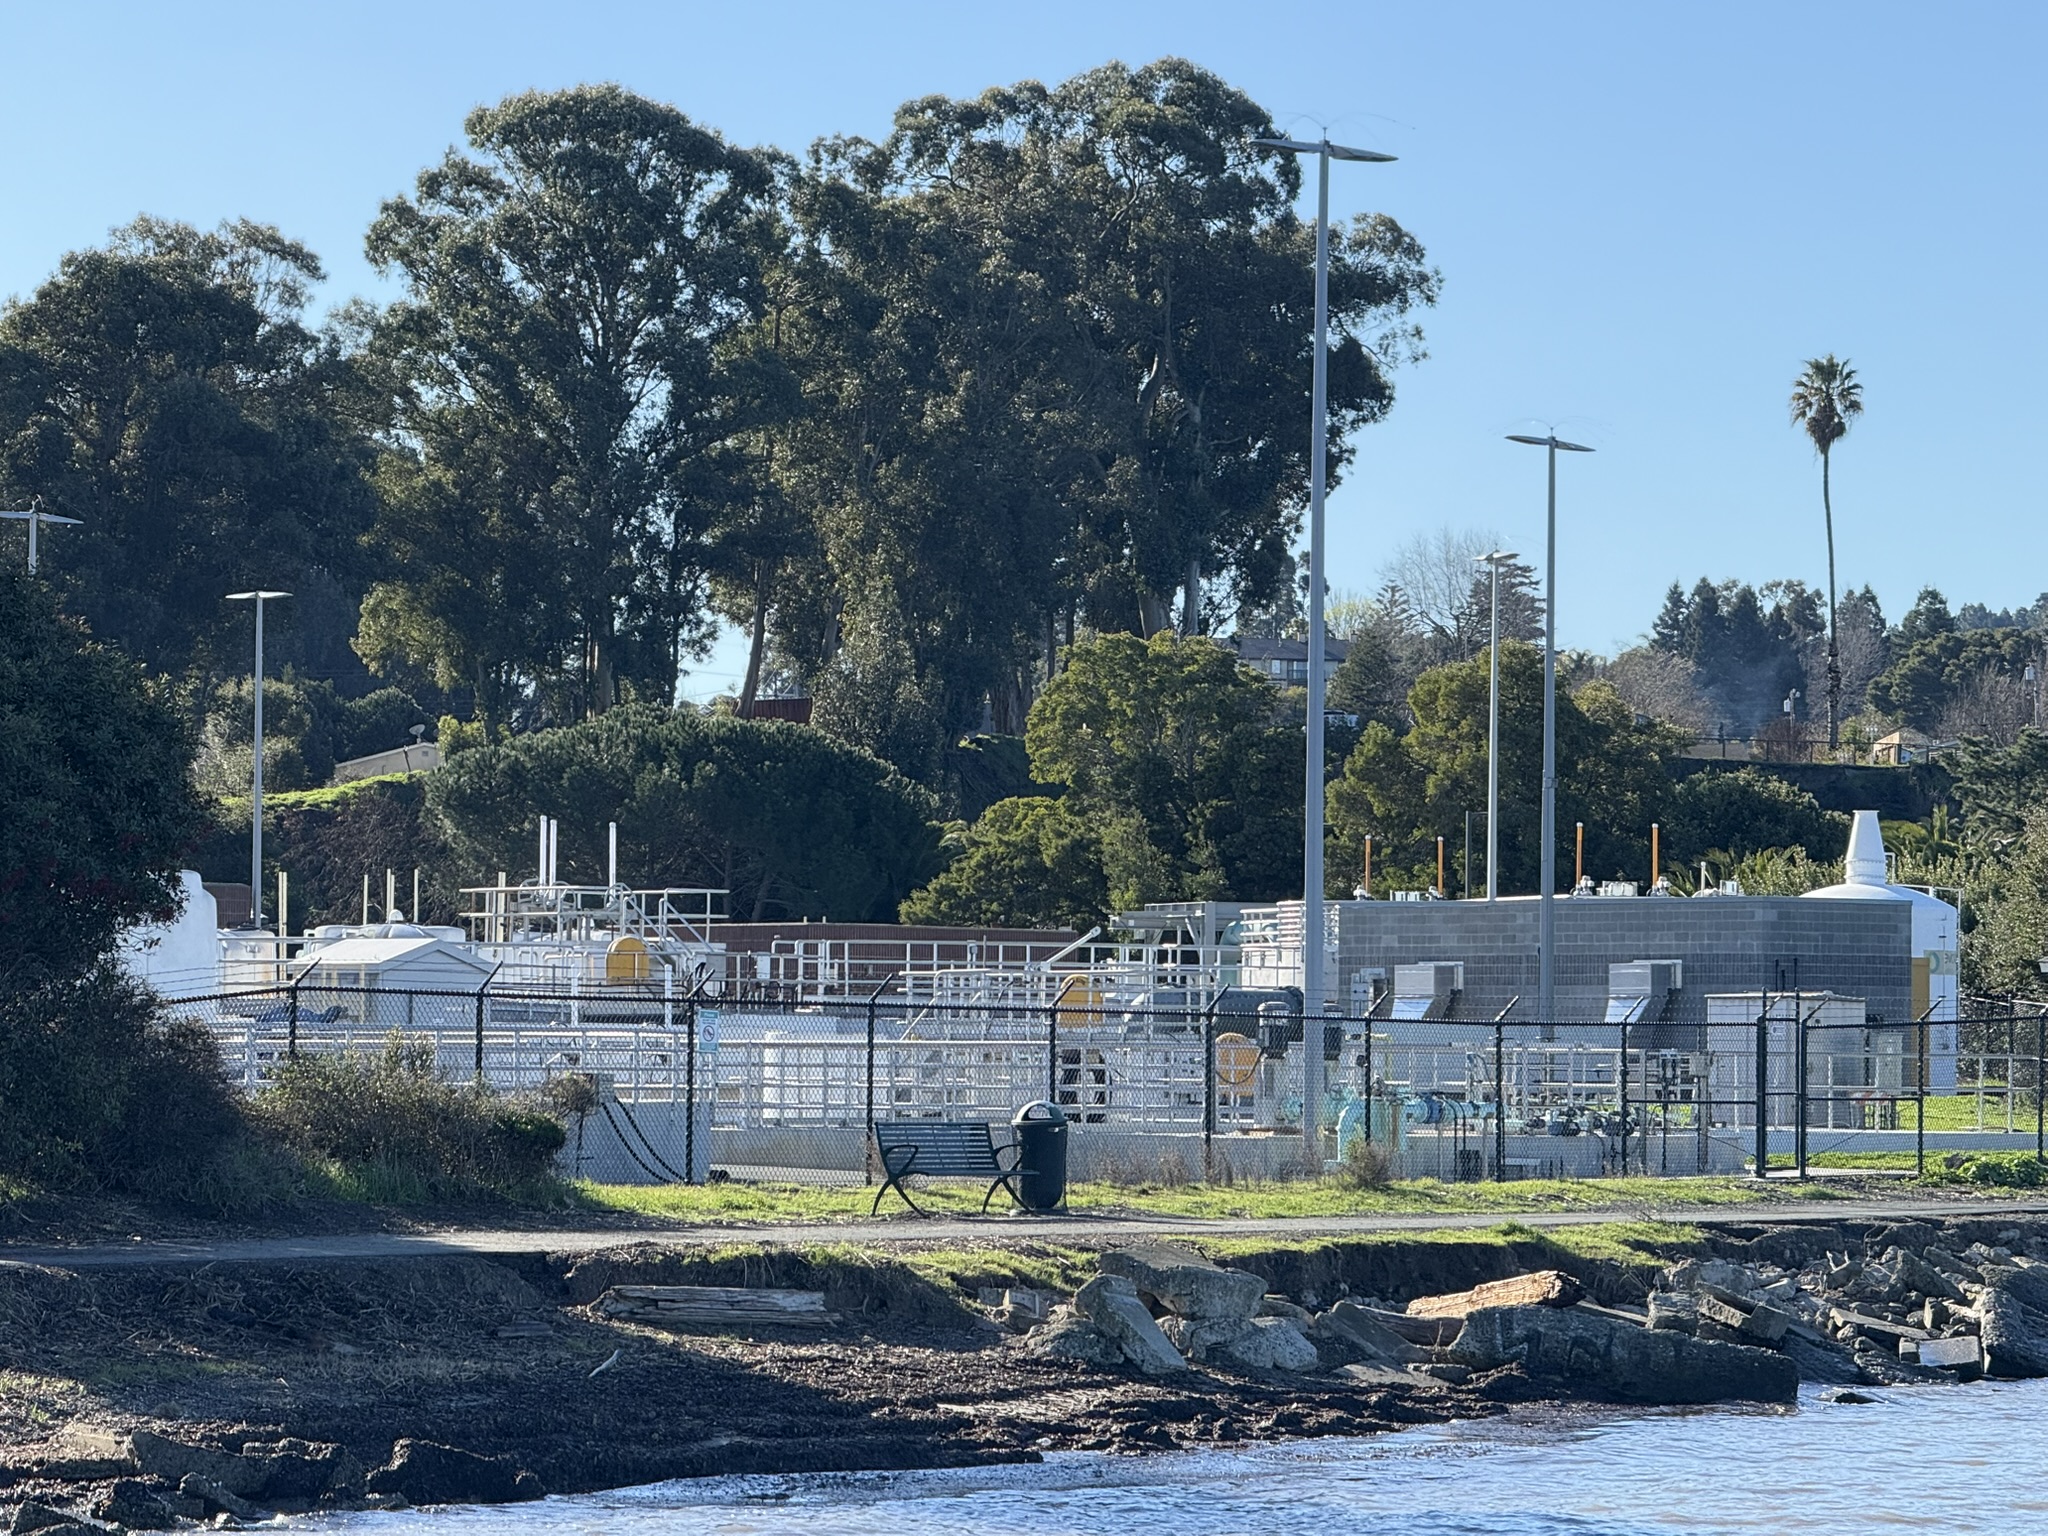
x=1937, y=941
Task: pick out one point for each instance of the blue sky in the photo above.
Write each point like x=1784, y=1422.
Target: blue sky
x=1646, y=215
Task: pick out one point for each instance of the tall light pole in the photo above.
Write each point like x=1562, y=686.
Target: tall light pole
x=34, y=515
x=1546, y=904
x=1312, y=799
x=1494, y=562
x=256, y=773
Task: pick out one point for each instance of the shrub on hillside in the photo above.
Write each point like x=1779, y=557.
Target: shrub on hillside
x=395, y=1131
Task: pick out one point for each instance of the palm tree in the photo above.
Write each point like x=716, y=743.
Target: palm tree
x=1825, y=399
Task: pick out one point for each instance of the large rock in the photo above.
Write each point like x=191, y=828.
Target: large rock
x=1196, y=1337
x=173, y=1461
x=1615, y=1361
x=1070, y=1336
x=83, y=1452
x=1111, y=1303
x=426, y=1473
x=1354, y=1328
x=2026, y=1283
x=135, y=1504
x=2015, y=1337
x=1185, y=1283
x=1921, y=1276
x=1267, y=1344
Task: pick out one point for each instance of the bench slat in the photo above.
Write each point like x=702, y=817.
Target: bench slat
x=943, y=1148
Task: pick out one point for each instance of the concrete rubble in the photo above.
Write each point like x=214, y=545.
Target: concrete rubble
x=1713, y=1329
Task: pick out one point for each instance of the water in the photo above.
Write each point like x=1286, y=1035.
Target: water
x=1947, y=1460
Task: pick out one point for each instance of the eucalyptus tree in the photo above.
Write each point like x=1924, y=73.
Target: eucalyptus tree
x=167, y=390
x=1057, y=342
x=1826, y=398
x=574, y=364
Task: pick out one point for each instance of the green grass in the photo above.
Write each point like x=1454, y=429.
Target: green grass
x=327, y=798
x=1958, y=1112
x=794, y=1203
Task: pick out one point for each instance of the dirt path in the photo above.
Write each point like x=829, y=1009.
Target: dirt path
x=954, y=1231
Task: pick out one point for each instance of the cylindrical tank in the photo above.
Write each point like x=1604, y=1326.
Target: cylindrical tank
x=1936, y=941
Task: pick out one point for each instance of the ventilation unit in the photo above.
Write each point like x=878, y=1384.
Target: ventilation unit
x=1427, y=991
x=1638, y=990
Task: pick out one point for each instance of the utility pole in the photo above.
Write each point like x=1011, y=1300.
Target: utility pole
x=1546, y=909
x=34, y=515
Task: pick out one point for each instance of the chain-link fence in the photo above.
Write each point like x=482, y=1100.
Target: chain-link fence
x=774, y=1086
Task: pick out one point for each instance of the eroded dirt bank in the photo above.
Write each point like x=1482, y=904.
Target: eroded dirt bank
x=314, y=1375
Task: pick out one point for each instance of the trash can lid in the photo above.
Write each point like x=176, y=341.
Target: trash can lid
x=1040, y=1109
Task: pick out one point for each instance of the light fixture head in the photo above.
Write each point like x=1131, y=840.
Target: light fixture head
x=243, y=597
x=1325, y=147
x=1549, y=442
x=1497, y=557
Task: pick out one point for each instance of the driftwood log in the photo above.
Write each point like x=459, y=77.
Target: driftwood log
x=715, y=1306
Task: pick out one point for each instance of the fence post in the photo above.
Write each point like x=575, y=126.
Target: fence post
x=1623, y=1075
x=1920, y=1109
x=2040, y=1121
x=690, y=1087
x=1763, y=1097
x=1500, y=1102
x=1209, y=1086
x=1370, y=1095
x=291, y=1022
x=1799, y=1070
x=1052, y=1040
x=867, y=1152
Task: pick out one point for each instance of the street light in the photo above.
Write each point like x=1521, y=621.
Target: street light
x=34, y=515
x=256, y=773
x=1494, y=561
x=1546, y=906
x=1312, y=809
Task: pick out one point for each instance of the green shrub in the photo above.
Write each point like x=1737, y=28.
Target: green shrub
x=1365, y=1165
x=2007, y=1170
x=101, y=1094
x=389, y=1129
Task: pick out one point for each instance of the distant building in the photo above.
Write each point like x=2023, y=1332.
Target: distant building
x=1286, y=661
x=797, y=711
x=1902, y=747
x=420, y=757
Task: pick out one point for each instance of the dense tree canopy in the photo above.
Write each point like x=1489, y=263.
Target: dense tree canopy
x=572, y=375
x=1181, y=760
x=1407, y=789
x=1056, y=342
x=167, y=392
x=96, y=809
x=791, y=822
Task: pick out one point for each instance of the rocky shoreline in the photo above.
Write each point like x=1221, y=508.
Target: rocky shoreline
x=160, y=1398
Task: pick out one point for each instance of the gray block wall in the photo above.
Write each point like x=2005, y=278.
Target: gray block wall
x=1726, y=944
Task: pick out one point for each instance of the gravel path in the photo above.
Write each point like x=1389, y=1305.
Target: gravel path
x=954, y=1231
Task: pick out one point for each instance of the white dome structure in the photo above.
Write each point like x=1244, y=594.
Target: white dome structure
x=1937, y=944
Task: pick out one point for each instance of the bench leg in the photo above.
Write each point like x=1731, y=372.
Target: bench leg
x=895, y=1181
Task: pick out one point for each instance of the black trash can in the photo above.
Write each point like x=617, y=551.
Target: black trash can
x=1042, y=1153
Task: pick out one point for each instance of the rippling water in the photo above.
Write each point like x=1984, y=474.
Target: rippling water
x=1932, y=1459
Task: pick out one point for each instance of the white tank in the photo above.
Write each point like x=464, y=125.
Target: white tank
x=180, y=958
x=1937, y=944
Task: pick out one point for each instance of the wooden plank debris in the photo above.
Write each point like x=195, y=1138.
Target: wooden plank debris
x=1544, y=1288
x=715, y=1306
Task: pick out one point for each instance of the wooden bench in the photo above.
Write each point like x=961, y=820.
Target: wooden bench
x=944, y=1149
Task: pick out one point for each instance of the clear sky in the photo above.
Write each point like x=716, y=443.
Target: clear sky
x=1647, y=215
